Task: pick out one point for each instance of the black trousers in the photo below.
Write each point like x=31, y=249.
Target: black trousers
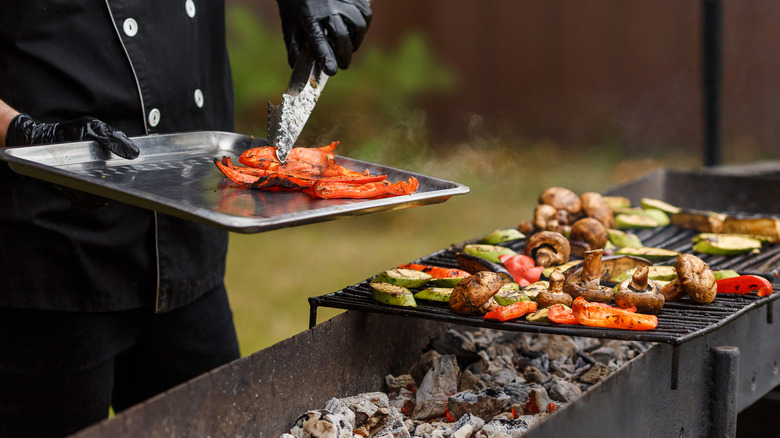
x=61, y=371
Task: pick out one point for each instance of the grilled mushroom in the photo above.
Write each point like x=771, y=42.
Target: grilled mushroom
x=594, y=205
x=545, y=217
x=474, y=294
x=548, y=248
x=554, y=294
x=562, y=199
x=696, y=278
x=672, y=291
x=589, y=287
x=588, y=233
x=640, y=292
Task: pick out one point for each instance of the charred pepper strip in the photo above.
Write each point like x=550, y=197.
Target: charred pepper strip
x=436, y=271
x=512, y=311
x=745, y=284
x=327, y=190
x=603, y=315
x=560, y=314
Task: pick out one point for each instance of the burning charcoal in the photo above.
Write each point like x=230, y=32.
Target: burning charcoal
x=421, y=368
x=538, y=400
x=533, y=374
x=503, y=428
x=403, y=381
x=403, y=401
x=456, y=344
x=468, y=381
x=506, y=377
x=483, y=404
x=320, y=423
x=466, y=426
x=563, y=391
x=339, y=408
x=557, y=346
x=392, y=425
x=604, y=355
x=518, y=393
x=595, y=374
x=437, y=386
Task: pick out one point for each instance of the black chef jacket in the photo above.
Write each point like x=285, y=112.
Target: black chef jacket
x=145, y=67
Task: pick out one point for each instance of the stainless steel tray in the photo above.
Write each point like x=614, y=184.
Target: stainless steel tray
x=175, y=174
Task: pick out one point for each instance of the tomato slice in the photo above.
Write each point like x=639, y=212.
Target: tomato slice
x=561, y=314
x=745, y=284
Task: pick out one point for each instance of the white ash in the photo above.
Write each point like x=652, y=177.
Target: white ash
x=482, y=383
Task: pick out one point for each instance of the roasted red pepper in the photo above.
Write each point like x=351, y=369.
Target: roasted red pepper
x=512, y=311
x=522, y=268
x=603, y=315
x=560, y=314
x=436, y=271
x=745, y=284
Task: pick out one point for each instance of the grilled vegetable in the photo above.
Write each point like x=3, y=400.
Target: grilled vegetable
x=745, y=284
x=548, y=248
x=696, y=278
x=701, y=221
x=655, y=272
x=440, y=294
x=589, y=287
x=507, y=296
x=617, y=202
x=594, y=206
x=392, y=294
x=630, y=221
x=649, y=203
x=538, y=316
x=603, y=315
x=650, y=253
x=639, y=292
x=487, y=252
x=562, y=199
x=725, y=244
x=513, y=311
x=403, y=277
x=554, y=293
x=522, y=268
x=436, y=271
x=501, y=236
x=590, y=231
x=622, y=239
x=474, y=294
x=532, y=290
x=561, y=314
x=611, y=267
x=762, y=227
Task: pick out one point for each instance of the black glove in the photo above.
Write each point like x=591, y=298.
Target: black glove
x=24, y=130
x=331, y=29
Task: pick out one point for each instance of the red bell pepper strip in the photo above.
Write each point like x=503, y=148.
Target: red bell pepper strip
x=560, y=314
x=512, y=311
x=745, y=284
x=521, y=268
x=603, y=315
x=436, y=271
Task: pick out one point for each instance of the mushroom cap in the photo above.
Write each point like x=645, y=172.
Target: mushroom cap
x=696, y=278
x=543, y=216
x=589, y=230
x=598, y=293
x=548, y=298
x=561, y=198
x=594, y=205
x=672, y=291
x=639, y=292
x=555, y=244
x=474, y=294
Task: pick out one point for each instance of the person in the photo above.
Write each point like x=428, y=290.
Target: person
x=103, y=304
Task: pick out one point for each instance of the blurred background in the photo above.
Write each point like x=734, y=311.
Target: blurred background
x=506, y=97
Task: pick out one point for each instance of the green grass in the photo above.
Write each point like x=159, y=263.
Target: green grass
x=270, y=275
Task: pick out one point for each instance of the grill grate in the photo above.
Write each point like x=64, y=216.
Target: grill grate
x=678, y=322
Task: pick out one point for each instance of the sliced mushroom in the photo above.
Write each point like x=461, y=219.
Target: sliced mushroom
x=554, y=294
x=589, y=234
x=545, y=217
x=589, y=287
x=548, y=248
x=594, y=205
x=562, y=199
x=696, y=278
x=640, y=292
x=474, y=294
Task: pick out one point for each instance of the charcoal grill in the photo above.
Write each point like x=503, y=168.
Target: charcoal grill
x=722, y=360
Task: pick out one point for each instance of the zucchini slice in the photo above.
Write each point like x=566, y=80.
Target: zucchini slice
x=404, y=277
x=392, y=294
x=725, y=244
x=649, y=253
x=440, y=294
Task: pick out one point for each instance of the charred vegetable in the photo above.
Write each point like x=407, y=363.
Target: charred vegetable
x=501, y=236
x=548, y=248
x=590, y=286
x=725, y=244
x=594, y=206
x=745, y=284
x=562, y=199
x=639, y=292
x=648, y=252
x=586, y=234
x=554, y=294
x=474, y=294
x=392, y=294
x=403, y=277
x=696, y=278
x=488, y=252
x=603, y=315
x=512, y=311
x=701, y=221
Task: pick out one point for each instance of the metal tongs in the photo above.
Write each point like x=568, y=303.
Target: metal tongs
x=286, y=120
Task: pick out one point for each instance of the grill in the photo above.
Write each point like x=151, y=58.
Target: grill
x=719, y=358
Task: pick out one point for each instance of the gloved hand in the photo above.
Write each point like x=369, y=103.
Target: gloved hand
x=331, y=29
x=24, y=130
